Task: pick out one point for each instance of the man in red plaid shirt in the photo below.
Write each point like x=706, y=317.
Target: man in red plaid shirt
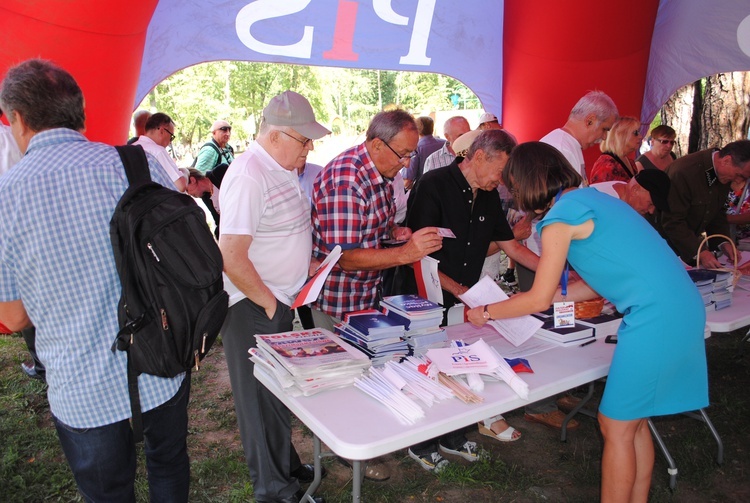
x=353, y=207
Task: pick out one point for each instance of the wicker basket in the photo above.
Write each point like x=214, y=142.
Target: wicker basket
x=589, y=308
x=736, y=272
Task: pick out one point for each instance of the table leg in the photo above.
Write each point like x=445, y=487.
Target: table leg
x=672, y=467
x=318, y=477
x=356, y=481
x=576, y=409
x=703, y=416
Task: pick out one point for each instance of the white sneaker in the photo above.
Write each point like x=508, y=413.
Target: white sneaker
x=432, y=462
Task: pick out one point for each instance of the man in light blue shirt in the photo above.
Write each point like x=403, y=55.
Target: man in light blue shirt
x=57, y=271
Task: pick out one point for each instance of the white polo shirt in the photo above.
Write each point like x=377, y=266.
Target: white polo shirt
x=161, y=155
x=261, y=199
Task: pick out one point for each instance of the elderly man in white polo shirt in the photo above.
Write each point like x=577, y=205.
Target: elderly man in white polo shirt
x=266, y=242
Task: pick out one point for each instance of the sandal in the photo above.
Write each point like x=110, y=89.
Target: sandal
x=509, y=434
x=552, y=419
x=375, y=471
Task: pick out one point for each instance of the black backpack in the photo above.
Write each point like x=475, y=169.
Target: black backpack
x=173, y=301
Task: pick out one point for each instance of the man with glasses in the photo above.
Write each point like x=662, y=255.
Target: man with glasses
x=217, y=150
x=159, y=134
x=353, y=207
x=266, y=243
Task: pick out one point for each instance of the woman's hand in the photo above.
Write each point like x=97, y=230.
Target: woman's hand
x=476, y=316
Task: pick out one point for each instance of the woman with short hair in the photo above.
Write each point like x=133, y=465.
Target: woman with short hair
x=660, y=156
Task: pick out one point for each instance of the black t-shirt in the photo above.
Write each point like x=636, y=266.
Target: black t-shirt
x=444, y=199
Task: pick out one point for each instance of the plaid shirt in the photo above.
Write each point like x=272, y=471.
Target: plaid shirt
x=352, y=206
x=56, y=256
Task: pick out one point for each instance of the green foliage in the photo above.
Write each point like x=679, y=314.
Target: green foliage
x=346, y=99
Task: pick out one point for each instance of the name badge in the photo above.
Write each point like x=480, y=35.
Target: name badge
x=564, y=314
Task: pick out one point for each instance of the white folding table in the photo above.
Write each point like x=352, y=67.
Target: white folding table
x=356, y=427
x=735, y=316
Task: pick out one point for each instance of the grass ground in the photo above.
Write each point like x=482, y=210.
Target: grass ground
x=536, y=468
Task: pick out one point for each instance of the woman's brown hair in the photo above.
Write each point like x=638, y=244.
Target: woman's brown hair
x=536, y=173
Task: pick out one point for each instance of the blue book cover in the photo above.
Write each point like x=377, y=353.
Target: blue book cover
x=411, y=304
x=374, y=323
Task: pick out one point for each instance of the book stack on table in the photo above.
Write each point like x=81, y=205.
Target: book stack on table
x=714, y=287
x=603, y=325
x=308, y=361
x=375, y=334
x=574, y=335
x=420, y=317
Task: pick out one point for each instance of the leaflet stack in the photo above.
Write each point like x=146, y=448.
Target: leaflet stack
x=308, y=361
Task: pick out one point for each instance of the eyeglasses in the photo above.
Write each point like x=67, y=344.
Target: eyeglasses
x=305, y=142
x=170, y=133
x=225, y=128
x=665, y=142
x=401, y=158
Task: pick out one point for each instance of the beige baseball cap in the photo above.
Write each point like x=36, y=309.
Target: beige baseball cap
x=293, y=110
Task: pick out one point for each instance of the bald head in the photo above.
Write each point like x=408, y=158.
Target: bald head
x=453, y=128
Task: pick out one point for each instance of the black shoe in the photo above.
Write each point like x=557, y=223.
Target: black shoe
x=30, y=371
x=306, y=473
x=297, y=498
x=509, y=277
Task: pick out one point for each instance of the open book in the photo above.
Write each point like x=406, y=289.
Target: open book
x=516, y=330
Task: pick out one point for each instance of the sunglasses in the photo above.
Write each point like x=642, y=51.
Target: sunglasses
x=170, y=133
x=225, y=128
x=665, y=142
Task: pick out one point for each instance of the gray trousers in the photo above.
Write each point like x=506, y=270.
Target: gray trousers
x=264, y=422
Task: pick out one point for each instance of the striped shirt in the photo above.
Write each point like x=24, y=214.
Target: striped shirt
x=438, y=159
x=56, y=256
x=353, y=207
x=260, y=198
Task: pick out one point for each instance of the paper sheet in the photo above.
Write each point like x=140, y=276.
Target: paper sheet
x=516, y=330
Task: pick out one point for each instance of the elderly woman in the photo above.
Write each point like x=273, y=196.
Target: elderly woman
x=621, y=142
x=659, y=364
x=660, y=156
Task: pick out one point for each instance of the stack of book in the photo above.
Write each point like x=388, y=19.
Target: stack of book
x=420, y=317
x=375, y=334
x=308, y=361
x=603, y=325
x=576, y=334
x=714, y=287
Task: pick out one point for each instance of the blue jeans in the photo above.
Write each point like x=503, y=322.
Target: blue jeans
x=103, y=459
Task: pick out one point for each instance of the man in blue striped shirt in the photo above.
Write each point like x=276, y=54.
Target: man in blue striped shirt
x=57, y=271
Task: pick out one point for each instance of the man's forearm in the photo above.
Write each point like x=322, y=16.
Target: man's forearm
x=370, y=259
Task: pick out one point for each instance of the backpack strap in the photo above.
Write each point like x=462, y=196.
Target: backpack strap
x=136, y=165
x=136, y=168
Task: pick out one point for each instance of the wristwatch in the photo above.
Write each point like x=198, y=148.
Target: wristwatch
x=486, y=314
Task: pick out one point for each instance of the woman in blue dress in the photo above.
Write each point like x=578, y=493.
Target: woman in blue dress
x=659, y=365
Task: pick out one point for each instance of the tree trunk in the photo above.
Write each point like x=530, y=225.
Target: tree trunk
x=726, y=114
x=677, y=113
